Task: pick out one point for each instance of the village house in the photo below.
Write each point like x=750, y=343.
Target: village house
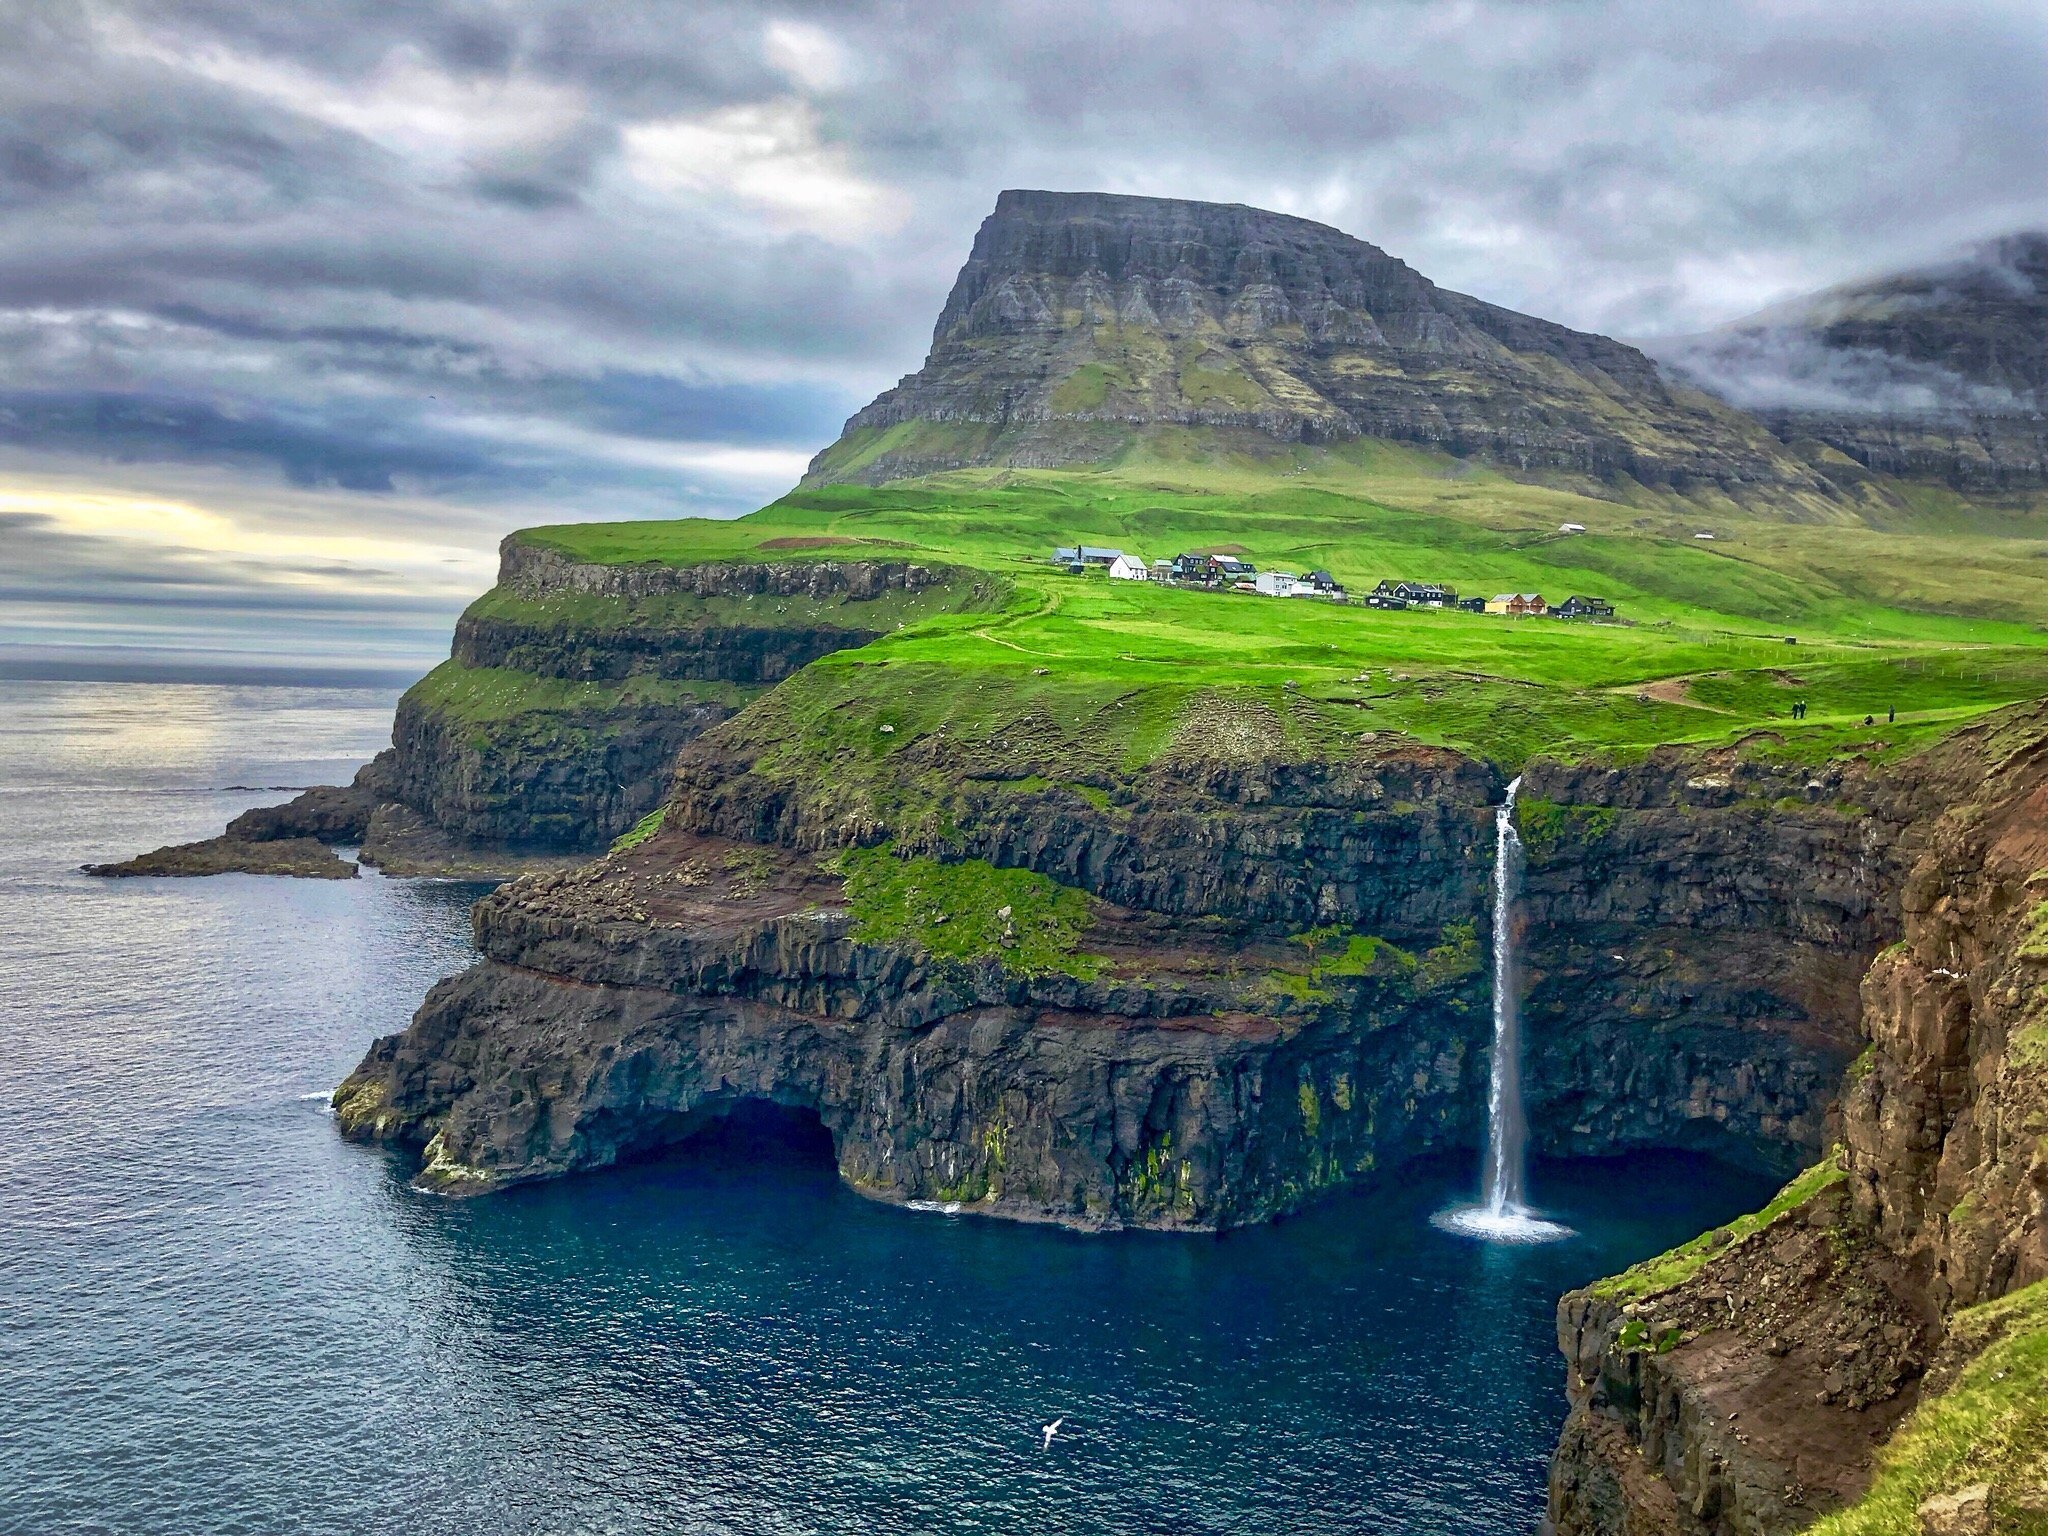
x=1127, y=568
x=1211, y=570
x=1571, y=527
x=1470, y=605
x=1418, y=594
x=1576, y=607
x=1229, y=568
x=1280, y=584
x=1516, y=605
x=1085, y=554
x=1323, y=581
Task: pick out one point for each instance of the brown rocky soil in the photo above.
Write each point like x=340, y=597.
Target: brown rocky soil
x=1755, y=1392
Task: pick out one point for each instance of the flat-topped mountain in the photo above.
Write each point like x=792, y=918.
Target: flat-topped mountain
x=1939, y=372
x=1083, y=321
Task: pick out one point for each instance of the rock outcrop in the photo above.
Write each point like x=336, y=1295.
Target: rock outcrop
x=1082, y=320
x=304, y=857
x=1745, y=1383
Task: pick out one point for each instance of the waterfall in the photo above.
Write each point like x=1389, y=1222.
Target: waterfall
x=1506, y=1133
x=1503, y=1215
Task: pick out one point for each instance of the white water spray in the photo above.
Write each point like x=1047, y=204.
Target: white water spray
x=1504, y=1216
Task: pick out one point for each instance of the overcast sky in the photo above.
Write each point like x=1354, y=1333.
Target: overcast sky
x=303, y=305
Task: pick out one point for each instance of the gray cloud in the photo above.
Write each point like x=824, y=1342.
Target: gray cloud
x=1767, y=368
x=638, y=259
x=1958, y=340
x=62, y=594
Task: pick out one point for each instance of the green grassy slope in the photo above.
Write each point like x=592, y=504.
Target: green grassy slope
x=1914, y=616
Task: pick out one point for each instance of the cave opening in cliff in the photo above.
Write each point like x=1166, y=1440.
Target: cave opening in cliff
x=756, y=1133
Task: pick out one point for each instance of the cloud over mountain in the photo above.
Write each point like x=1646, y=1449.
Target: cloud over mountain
x=531, y=260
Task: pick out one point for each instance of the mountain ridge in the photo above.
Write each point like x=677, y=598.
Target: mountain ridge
x=1934, y=372
x=1082, y=320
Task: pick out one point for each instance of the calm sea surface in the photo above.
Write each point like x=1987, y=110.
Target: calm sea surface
x=215, y=1316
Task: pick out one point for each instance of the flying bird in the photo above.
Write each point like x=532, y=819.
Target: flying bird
x=1050, y=1430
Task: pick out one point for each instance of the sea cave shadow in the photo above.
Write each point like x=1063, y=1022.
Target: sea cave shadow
x=748, y=1134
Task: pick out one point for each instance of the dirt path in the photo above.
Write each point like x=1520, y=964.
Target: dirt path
x=1671, y=690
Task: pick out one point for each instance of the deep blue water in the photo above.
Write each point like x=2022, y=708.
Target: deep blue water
x=215, y=1316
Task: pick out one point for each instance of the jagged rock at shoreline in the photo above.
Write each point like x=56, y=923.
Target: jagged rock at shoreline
x=1939, y=373
x=305, y=857
x=1082, y=319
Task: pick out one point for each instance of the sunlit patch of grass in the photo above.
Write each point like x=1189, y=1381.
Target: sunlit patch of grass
x=968, y=911
x=1673, y=1268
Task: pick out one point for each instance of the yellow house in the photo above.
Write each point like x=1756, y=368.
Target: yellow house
x=1515, y=604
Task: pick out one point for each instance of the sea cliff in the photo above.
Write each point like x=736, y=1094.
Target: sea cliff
x=569, y=688
x=1809, y=1360
x=1255, y=976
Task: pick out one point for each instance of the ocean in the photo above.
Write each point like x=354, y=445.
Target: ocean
x=218, y=1317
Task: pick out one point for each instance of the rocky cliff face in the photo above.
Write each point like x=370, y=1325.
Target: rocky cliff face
x=1162, y=1085
x=1081, y=318
x=1745, y=1384
x=571, y=686
x=1695, y=929
x=1181, y=1061
x=1939, y=373
x=1273, y=983
x=495, y=751
x=565, y=782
